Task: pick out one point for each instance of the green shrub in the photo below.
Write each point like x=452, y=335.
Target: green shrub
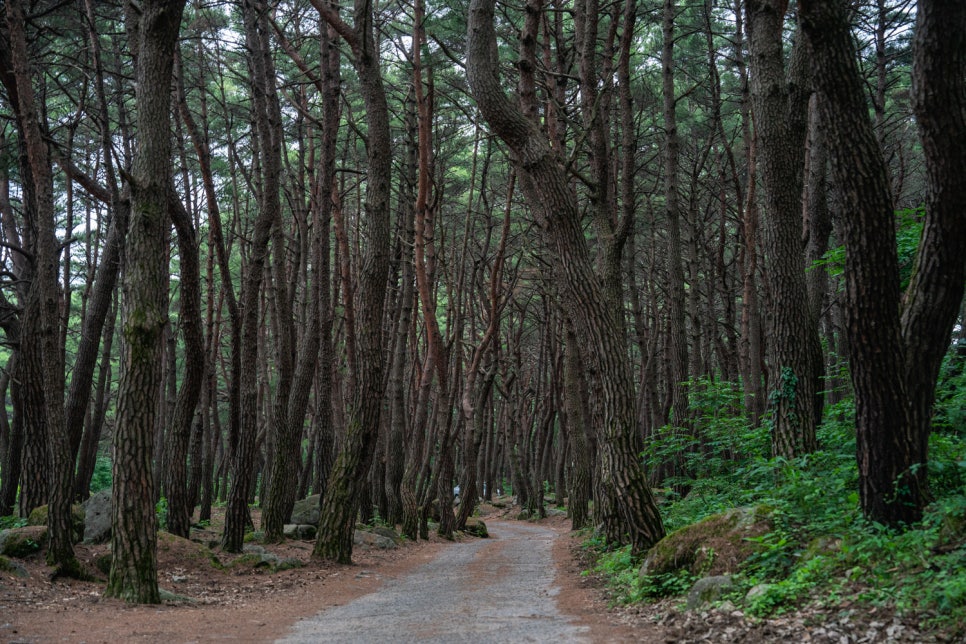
x=102, y=478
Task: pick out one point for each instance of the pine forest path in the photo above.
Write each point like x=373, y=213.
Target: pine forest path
x=501, y=589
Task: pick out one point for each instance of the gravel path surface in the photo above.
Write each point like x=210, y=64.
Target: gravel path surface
x=499, y=589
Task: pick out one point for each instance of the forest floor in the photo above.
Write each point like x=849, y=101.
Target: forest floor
x=239, y=600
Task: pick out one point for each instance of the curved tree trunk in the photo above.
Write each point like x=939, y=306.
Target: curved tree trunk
x=244, y=467
x=895, y=389
x=46, y=288
x=545, y=183
x=175, y=472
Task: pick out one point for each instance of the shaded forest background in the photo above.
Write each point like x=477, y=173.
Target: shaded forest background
x=589, y=250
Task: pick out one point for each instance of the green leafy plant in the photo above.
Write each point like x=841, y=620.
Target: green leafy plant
x=161, y=511
x=11, y=521
x=102, y=478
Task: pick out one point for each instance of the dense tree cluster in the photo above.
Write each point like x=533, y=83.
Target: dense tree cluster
x=257, y=249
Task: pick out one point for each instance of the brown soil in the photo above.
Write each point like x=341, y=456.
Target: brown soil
x=239, y=602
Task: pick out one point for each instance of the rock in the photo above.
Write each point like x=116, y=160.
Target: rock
x=168, y=596
x=97, y=517
x=287, y=564
x=20, y=543
x=306, y=511
x=385, y=531
x=706, y=590
x=103, y=563
x=759, y=590
x=299, y=531
x=256, y=560
x=39, y=517
x=371, y=540
x=716, y=545
x=476, y=527
x=8, y=565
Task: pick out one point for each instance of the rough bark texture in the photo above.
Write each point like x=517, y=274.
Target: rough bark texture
x=545, y=183
x=133, y=575
x=779, y=103
x=340, y=504
x=243, y=465
x=175, y=472
x=890, y=492
x=677, y=340
x=40, y=214
x=935, y=291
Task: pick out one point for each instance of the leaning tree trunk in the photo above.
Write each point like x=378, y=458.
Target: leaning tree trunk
x=175, y=473
x=895, y=389
x=890, y=489
x=935, y=292
x=60, y=552
x=546, y=185
x=134, y=575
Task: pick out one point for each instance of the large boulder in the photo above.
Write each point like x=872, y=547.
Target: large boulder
x=12, y=567
x=299, y=531
x=97, y=517
x=476, y=527
x=306, y=511
x=39, y=517
x=372, y=540
x=716, y=545
x=384, y=531
x=20, y=543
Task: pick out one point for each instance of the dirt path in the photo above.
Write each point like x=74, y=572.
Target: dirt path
x=502, y=589
x=523, y=584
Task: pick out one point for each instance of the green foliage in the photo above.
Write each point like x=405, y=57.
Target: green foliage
x=908, y=234
x=102, y=478
x=819, y=549
x=722, y=436
x=10, y=521
x=161, y=510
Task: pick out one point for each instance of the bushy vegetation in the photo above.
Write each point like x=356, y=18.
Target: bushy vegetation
x=820, y=551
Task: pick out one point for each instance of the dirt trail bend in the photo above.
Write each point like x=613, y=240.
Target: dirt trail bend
x=499, y=589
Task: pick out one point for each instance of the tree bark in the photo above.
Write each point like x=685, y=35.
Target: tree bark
x=175, y=473
x=546, y=186
x=340, y=504
x=779, y=103
x=60, y=552
x=935, y=292
x=134, y=575
x=895, y=390
x=244, y=468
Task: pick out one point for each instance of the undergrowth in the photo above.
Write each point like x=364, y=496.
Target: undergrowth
x=820, y=551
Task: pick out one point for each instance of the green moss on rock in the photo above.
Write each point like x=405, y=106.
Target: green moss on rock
x=8, y=565
x=20, y=543
x=716, y=545
x=39, y=515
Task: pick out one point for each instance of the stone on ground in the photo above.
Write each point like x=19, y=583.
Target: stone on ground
x=706, y=590
x=97, y=517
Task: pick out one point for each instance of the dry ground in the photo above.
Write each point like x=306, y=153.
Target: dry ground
x=240, y=602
